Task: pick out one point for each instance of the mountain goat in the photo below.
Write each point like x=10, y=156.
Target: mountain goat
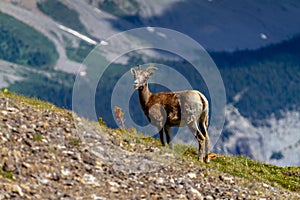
x=168, y=109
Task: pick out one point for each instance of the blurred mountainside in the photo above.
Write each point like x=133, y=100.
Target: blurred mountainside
x=255, y=44
x=215, y=24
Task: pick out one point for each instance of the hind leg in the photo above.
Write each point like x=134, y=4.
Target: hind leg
x=203, y=128
x=200, y=138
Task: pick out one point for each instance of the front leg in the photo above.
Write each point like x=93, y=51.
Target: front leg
x=168, y=136
x=161, y=136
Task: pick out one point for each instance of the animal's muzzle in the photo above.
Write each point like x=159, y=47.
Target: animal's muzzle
x=135, y=85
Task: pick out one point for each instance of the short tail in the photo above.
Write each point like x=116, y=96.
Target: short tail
x=206, y=119
x=205, y=109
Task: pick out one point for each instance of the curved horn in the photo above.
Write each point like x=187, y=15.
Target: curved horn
x=151, y=68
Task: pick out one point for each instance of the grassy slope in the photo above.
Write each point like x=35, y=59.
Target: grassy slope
x=55, y=88
x=240, y=166
x=283, y=177
x=21, y=44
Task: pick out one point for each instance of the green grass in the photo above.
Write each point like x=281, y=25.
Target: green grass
x=244, y=167
x=47, y=85
x=101, y=122
x=7, y=175
x=76, y=142
x=240, y=166
x=37, y=137
x=34, y=102
x=21, y=44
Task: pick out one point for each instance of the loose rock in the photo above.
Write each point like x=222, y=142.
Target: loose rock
x=45, y=156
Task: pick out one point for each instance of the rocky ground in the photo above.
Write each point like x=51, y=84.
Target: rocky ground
x=46, y=154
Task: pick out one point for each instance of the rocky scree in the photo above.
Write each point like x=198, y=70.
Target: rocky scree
x=47, y=154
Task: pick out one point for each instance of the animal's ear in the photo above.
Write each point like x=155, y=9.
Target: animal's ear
x=133, y=72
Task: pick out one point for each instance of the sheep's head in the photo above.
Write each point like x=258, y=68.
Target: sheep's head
x=141, y=77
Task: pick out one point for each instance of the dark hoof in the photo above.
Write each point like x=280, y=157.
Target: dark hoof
x=200, y=159
x=207, y=159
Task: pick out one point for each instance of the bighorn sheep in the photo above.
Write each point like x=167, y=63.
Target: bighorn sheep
x=167, y=109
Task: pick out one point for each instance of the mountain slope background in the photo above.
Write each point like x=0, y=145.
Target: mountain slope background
x=257, y=53
x=215, y=24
